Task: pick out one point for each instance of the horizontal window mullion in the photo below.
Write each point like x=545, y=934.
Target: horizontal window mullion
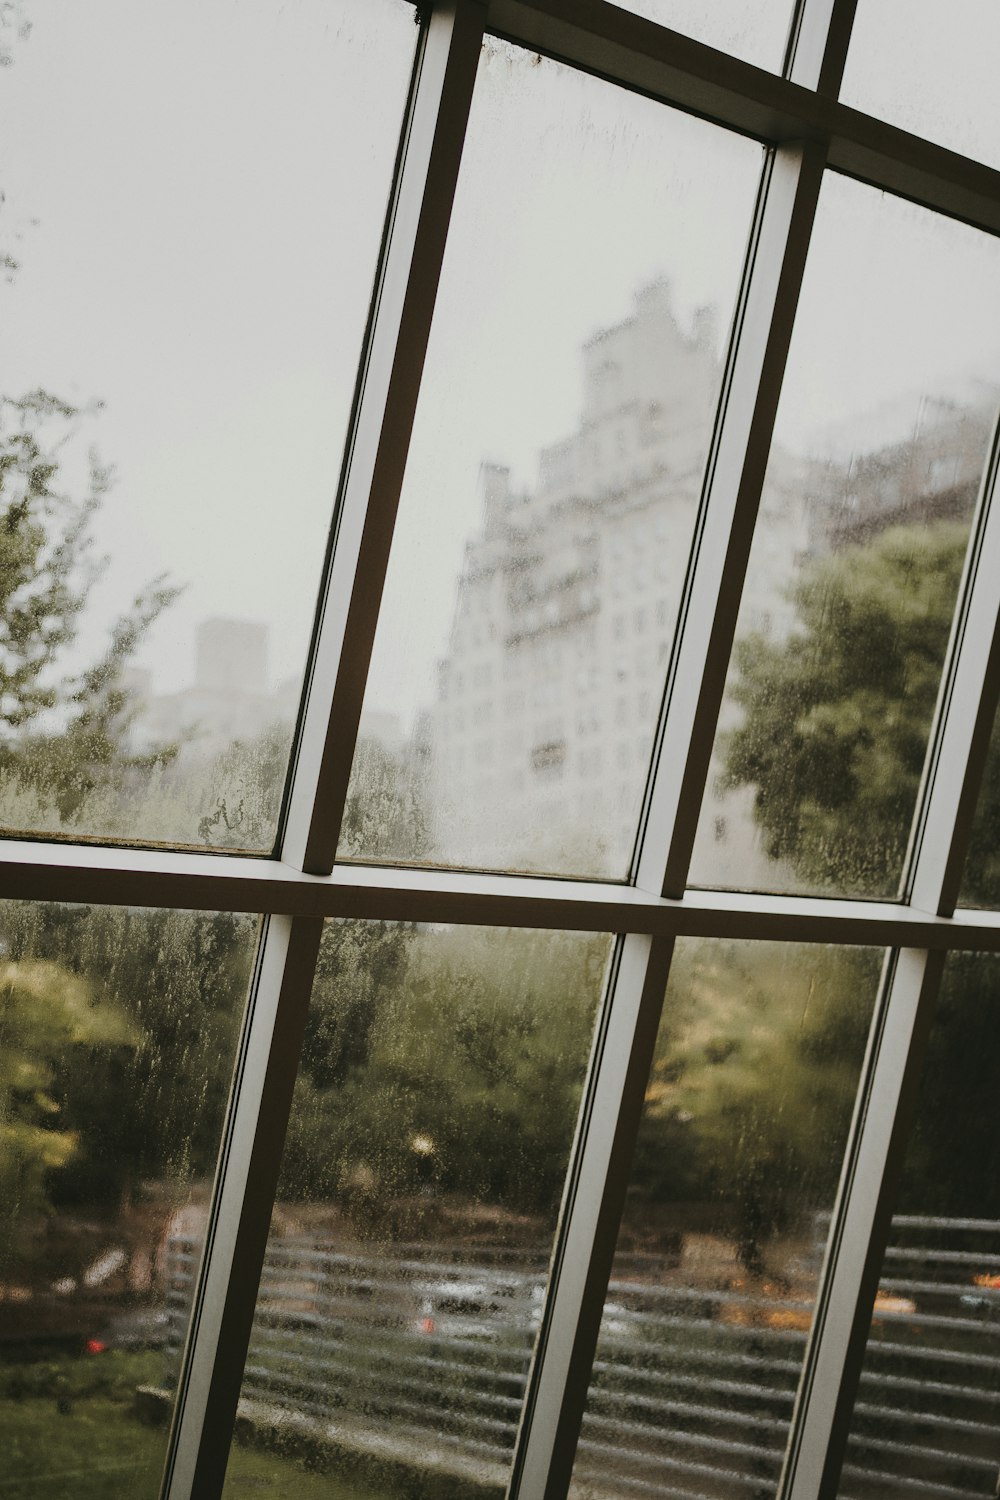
x=156, y=878
x=667, y=65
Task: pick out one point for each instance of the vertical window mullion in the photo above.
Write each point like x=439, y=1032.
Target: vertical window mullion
x=249, y=1162
x=405, y=296
x=861, y=1221
x=818, y=45
x=967, y=707
x=592, y=1209
x=259, y=1108
x=623, y=1053
x=736, y=467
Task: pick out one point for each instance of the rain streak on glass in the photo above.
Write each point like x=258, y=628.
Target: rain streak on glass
x=755, y=30
x=714, y=1280
x=118, y=1034
x=423, y=1168
x=925, y=1418
x=881, y=439
x=930, y=68
x=182, y=314
x=553, y=477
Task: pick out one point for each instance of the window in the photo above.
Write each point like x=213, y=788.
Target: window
x=573, y=1144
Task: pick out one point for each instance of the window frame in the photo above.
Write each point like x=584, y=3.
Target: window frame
x=806, y=130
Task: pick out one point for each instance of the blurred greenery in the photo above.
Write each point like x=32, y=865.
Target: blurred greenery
x=833, y=741
x=449, y=1059
x=836, y=717
x=68, y=1431
x=753, y=1082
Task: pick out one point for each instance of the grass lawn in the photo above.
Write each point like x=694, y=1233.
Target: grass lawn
x=68, y=1432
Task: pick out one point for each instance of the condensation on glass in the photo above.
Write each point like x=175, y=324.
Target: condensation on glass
x=402, y=1286
x=881, y=439
x=183, y=313
x=713, y=1287
x=930, y=68
x=925, y=1418
x=756, y=30
x=118, y=1034
x=553, y=477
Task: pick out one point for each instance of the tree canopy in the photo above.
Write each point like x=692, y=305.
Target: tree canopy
x=836, y=718
x=61, y=735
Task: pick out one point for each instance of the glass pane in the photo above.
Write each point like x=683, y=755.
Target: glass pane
x=930, y=68
x=118, y=1033
x=423, y=1169
x=981, y=880
x=881, y=437
x=182, y=316
x=755, y=30
x=925, y=1422
x=543, y=532
x=714, y=1282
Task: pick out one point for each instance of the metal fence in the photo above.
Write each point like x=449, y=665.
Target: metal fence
x=422, y=1359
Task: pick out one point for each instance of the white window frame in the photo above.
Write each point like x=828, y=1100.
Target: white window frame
x=799, y=118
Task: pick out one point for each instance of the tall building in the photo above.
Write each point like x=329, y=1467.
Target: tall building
x=549, y=695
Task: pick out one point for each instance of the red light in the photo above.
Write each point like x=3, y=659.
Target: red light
x=426, y=1325
x=95, y=1346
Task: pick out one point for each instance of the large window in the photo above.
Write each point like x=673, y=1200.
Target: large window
x=502, y=1018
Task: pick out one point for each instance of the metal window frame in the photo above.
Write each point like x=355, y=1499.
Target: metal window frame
x=806, y=129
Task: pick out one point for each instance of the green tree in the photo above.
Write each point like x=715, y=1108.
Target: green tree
x=61, y=737
x=836, y=718
x=753, y=1083
x=50, y=1020
x=145, y=1102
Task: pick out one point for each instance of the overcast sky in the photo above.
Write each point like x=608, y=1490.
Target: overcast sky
x=196, y=195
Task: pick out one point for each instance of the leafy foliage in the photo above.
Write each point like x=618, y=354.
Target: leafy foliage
x=49, y=1021
x=753, y=1082
x=837, y=716
x=61, y=737
x=456, y=1063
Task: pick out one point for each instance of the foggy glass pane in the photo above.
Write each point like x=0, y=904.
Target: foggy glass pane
x=881, y=438
x=714, y=1281
x=930, y=68
x=183, y=314
x=403, y=1281
x=925, y=1419
x=553, y=477
x=118, y=1033
x=755, y=30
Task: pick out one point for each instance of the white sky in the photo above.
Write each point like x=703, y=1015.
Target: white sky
x=198, y=194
